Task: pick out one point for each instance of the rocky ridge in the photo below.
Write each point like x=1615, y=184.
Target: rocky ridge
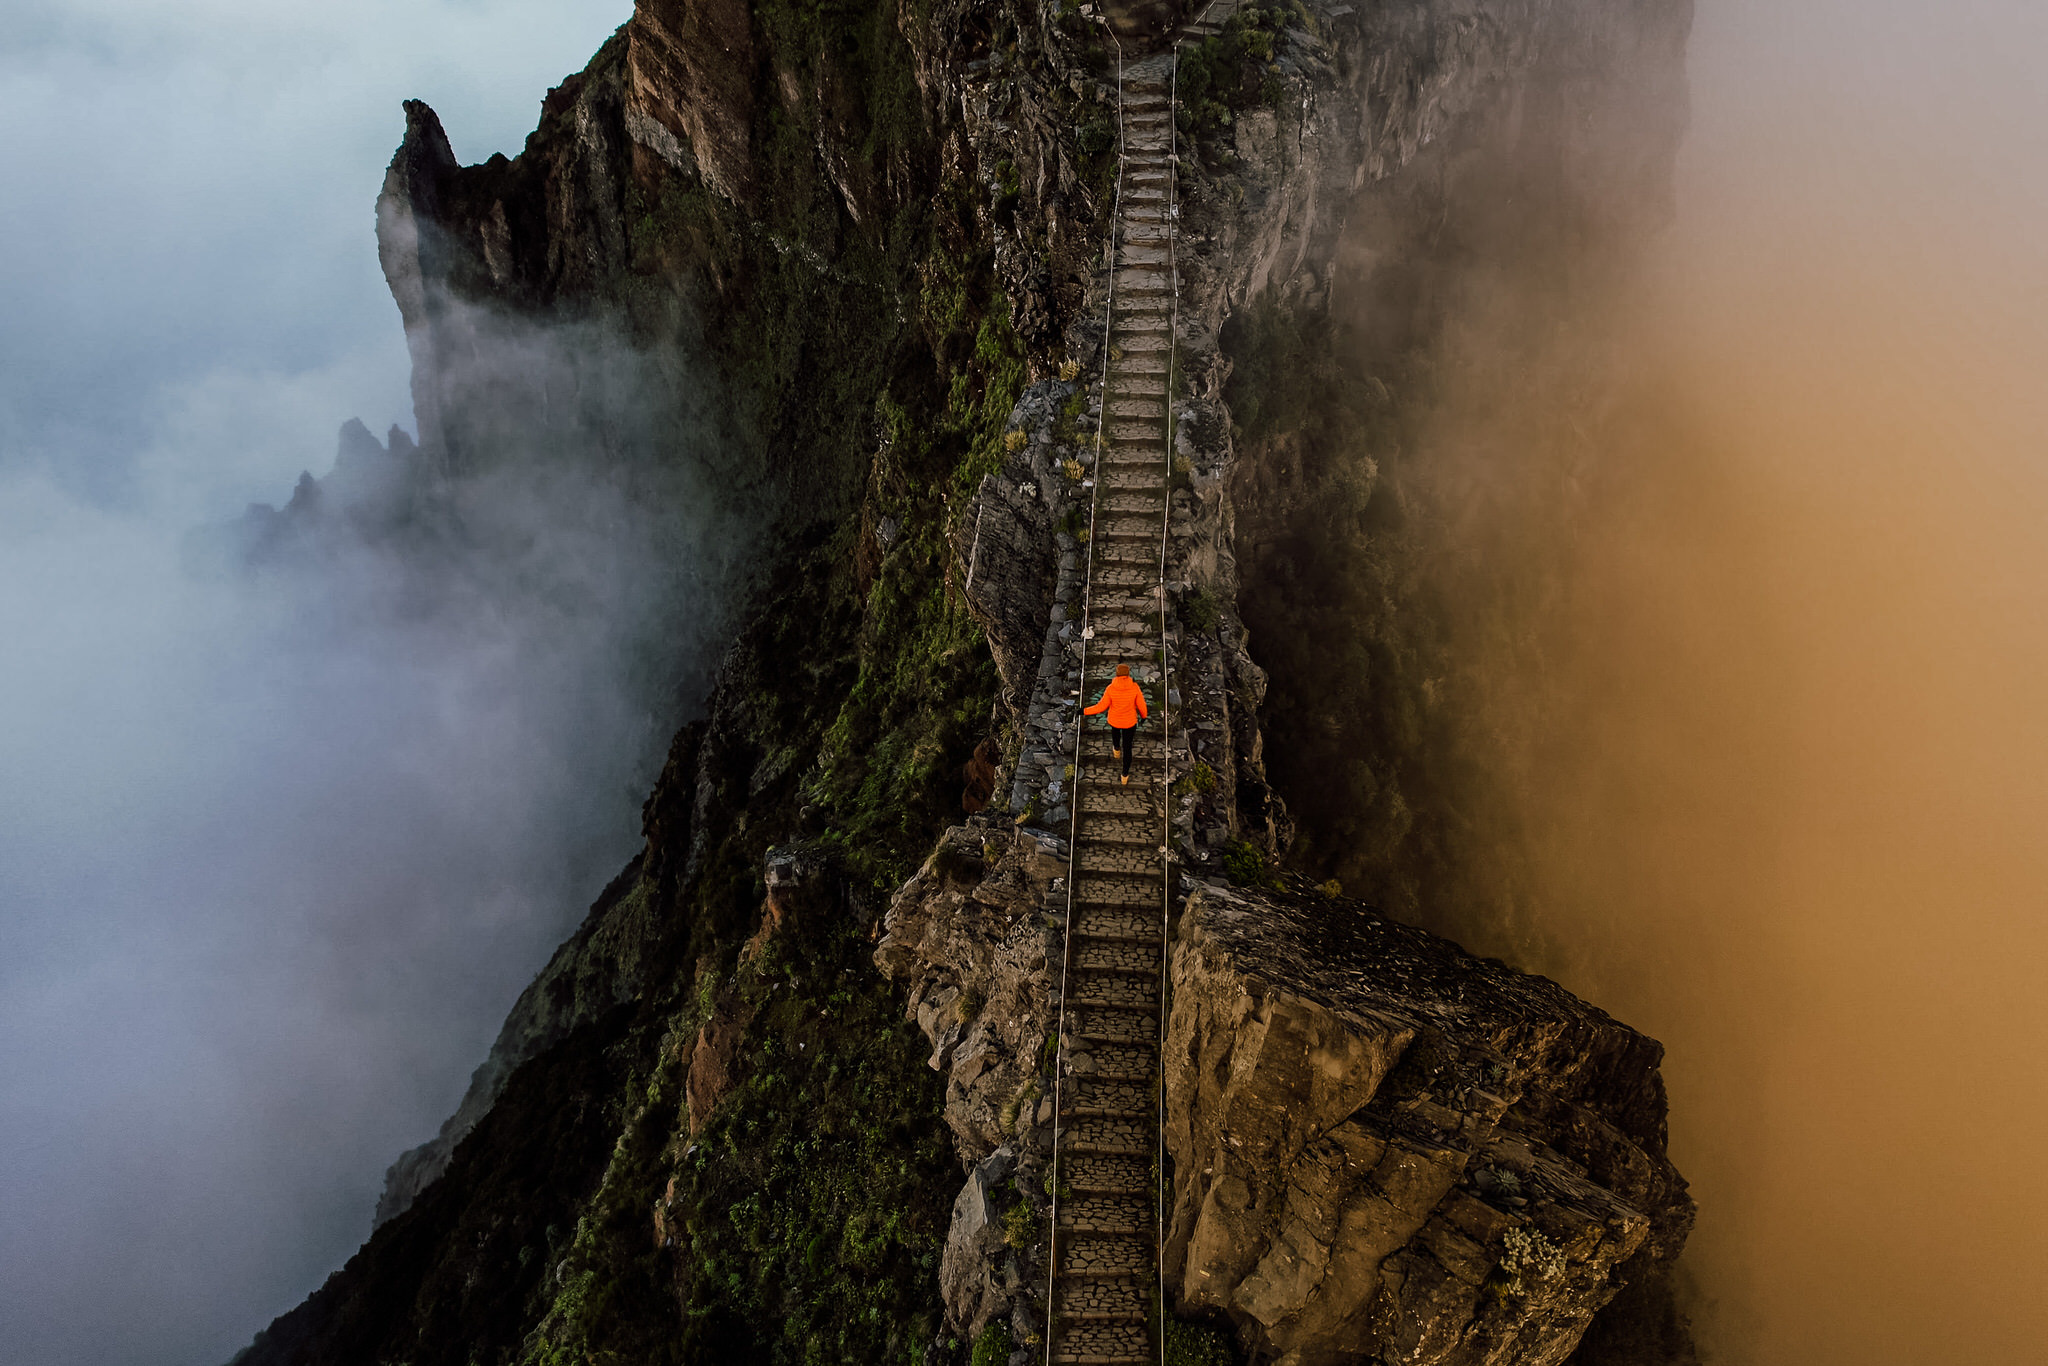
x=642, y=1103
x=1384, y=1149
x=1269, y=210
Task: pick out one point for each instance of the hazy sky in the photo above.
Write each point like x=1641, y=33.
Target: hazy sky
x=272, y=864
x=269, y=874
x=1789, y=811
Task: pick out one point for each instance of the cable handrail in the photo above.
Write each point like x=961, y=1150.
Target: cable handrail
x=1166, y=684
x=1052, y=1241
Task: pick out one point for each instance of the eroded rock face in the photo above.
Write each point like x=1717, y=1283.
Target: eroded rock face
x=970, y=937
x=1386, y=1150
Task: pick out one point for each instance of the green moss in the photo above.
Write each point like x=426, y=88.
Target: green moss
x=994, y=1346
x=1198, y=779
x=813, y=1228
x=1199, y=1344
x=1228, y=73
x=1246, y=864
x=1020, y=1225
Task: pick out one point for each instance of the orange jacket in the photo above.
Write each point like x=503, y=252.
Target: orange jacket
x=1124, y=700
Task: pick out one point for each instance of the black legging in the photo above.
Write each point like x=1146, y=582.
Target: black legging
x=1120, y=736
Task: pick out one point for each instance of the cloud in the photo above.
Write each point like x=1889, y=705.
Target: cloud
x=280, y=848
x=277, y=853
x=1753, y=660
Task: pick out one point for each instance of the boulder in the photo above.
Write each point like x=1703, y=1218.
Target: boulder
x=1385, y=1149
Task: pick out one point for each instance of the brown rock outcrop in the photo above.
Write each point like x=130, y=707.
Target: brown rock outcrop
x=1386, y=1150
x=969, y=939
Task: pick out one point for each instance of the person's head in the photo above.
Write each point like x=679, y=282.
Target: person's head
x=1123, y=671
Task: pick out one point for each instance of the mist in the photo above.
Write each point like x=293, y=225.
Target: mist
x=1753, y=651
x=293, y=806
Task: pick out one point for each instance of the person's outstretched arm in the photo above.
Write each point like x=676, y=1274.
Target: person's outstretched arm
x=1101, y=705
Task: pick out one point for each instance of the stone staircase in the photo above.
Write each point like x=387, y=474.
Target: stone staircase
x=1105, y=1244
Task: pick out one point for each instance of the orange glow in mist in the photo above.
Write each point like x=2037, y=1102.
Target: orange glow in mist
x=1791, y=814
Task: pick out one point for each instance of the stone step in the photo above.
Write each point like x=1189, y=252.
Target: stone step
x=1104, y=1300
x=1123, y=553
x=1116, y=799
x=1131, y=894
x=1114, y=989
x=1105, y=1174
x=1130, y=511
x=1149, y=365
x=1118, y=1096
x=1095, y=807
x=1142, y=656
x=1117, y=1215
x=1124, y=629
x=1137, y=436
x=1139, y=601
x=1088, y=1043
x=1117, y=860
x=1135, y=340
x=1117, y=956
x=1124, y=1256
x=1114, y=1061
x=1135, y=467
x=1124, y=606
x=1118, y=929
x=1111, y=576
x=1142, y=833
x=1124, y=1136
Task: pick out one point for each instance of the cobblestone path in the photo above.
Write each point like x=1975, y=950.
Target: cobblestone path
x=1105, y=1229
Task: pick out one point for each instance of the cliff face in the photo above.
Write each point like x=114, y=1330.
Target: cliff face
x=1415, y=325
x=833, y=275
x=1384, y=1148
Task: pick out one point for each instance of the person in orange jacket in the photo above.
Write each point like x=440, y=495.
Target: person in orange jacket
x=1124, y=700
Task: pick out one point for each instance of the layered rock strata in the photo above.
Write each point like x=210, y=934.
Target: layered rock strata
x=1386, y=1150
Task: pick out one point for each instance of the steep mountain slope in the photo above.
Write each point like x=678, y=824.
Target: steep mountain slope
x=861, y=246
